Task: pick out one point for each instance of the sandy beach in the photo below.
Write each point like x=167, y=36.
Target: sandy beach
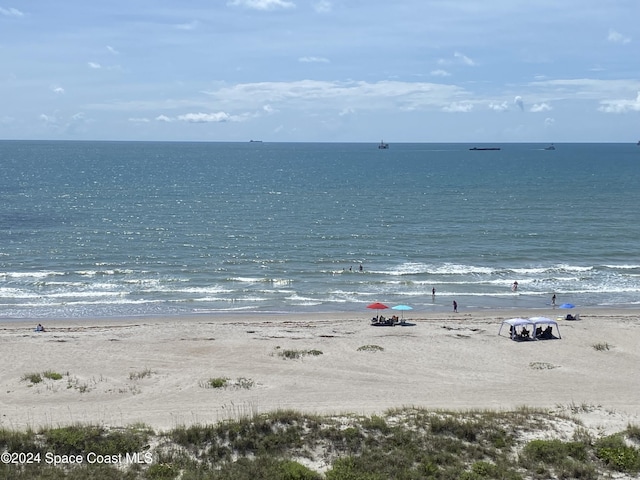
x=158, y=370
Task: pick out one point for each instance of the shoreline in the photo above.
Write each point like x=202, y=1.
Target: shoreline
x=155, y=370
x=481, y=304
x=361, y=314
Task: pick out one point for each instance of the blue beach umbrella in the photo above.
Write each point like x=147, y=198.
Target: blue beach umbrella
x=402, y=309
x=567, y=305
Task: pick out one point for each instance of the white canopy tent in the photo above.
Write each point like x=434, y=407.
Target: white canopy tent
x=530, y=328
x=517, y=327
x=538, y=322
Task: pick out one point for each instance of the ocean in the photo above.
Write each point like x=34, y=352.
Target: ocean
x=112, y=229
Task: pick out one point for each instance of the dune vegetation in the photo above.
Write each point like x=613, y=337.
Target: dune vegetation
x=405, y=443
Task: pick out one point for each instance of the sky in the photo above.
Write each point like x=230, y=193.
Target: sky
x=321, y=70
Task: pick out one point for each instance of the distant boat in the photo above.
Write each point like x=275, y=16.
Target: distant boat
x=255, y=141
x=550, y=147
x=383, y=146
x=485, y=148
x=638, y=143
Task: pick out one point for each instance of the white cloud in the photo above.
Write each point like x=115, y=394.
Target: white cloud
x=466, y=60
x=548, y=122
x=163, y=118
x=440, y=73
x=205, y=117
x=187, y=26
x=329, y=95
x=586, y=88
x=313, y=60
x=261, y=4
x=94, y=65
x=616, y=37
x=458, y=58
x=458, y=107
x=57, y=90
x=499, y=107
x=139, y=120
x=323, y=6
x=620, y=106
x=346, y=111
x=518, y=102
x=540, y=107
x=112, y=50
x=11, y=12
x=48, y=119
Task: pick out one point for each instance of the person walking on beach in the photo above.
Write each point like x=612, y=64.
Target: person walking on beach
x=455, y=306
x=553, y=300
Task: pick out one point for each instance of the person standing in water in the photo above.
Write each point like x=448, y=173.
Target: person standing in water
x=553, y=300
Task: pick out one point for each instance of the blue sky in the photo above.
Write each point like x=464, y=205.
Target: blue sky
x=321, y=70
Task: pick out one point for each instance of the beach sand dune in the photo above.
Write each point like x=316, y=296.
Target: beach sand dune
x=158, y=371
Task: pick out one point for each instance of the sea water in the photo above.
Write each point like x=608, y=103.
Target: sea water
x=108, y=229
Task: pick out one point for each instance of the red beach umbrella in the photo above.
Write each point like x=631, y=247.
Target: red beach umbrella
x=377, y=306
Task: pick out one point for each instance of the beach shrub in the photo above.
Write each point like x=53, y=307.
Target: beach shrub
x=245, y=383
x=449, y=425
x=601, y=347
x=37, y=377
x=290, y=470
x=162, y=471
x=78, y=439
x=352, y=468
x=542, y=366
x=483, y=470
x=617, y=455
x=559, y=459
x=633, y=432
x=296, y=354
x=403, y=444
x=32, y=377
x=52, y=375
x=370, y=348
x=553, y=452
x=291, y=354
x=264, y=467
x=141, y=374
x=218, y=382
x=376, y=422
x=224, y=382
x=16, y=441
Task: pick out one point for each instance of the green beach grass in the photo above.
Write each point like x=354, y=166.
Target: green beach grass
x=402, y=444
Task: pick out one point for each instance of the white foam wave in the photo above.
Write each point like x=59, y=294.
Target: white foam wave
x=17, y=293
x=248, y=279
x=85, y=294
x=38, y=275
x=194, y=290
x=223, y=310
